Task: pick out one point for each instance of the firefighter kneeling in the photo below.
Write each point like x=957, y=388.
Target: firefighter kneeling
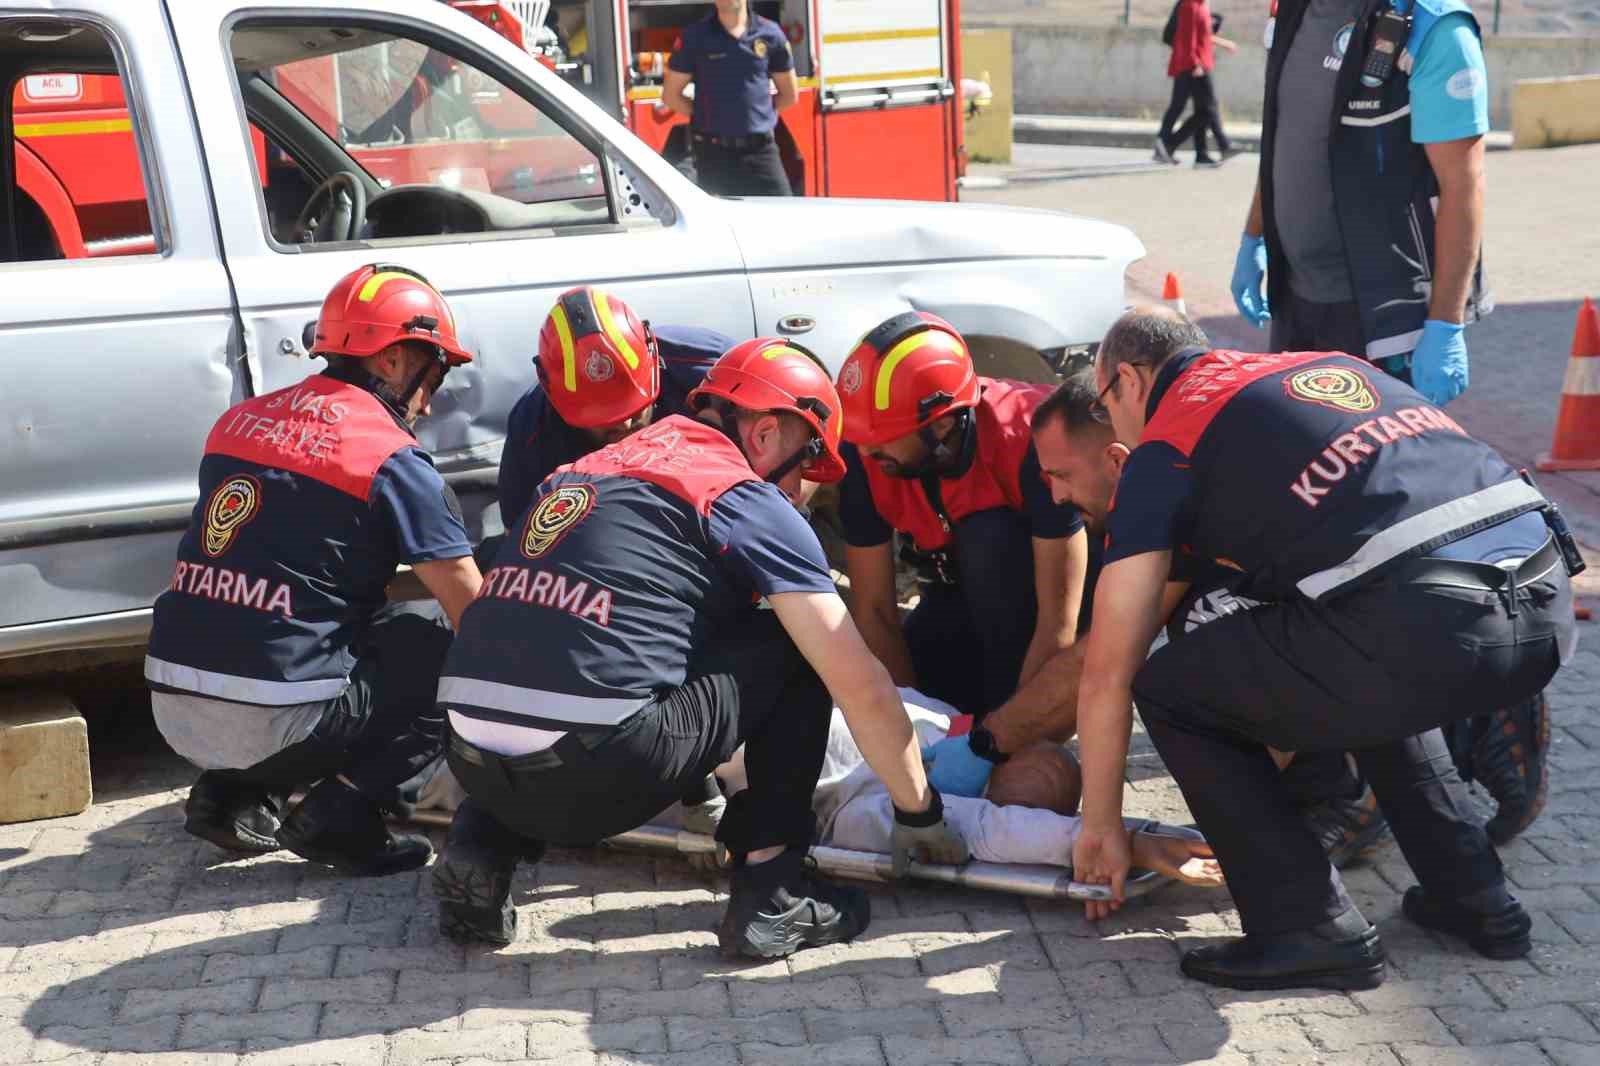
x=618, y=653
x=275, y=662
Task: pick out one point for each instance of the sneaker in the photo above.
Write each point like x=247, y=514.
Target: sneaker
x=1205, y=162
x=1507, y=756
x=472, y=879
x=239, y=823
x=337, y=826
x=1163, y=154
x=1502, y=934
x=1348, y=828
x=1231, y=151
x=780, y=905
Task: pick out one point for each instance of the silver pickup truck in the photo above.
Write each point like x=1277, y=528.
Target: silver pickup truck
x=281, y=143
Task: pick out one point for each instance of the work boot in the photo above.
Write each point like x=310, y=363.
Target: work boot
x=1492, y=921
x=781, y=905
x=1347, y=827
x=1505, y=752
x=338, y=826
x=244, y=822
x=1344, y=953
x=472, y=879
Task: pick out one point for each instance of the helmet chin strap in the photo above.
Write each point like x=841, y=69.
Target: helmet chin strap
x=949, y=456
x=728, y=422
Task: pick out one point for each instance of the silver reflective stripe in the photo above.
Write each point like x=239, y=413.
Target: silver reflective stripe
x=538, y=703
x=1502, y=499
x=242, y=689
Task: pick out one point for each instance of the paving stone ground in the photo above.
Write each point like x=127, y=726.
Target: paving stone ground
x=123, y=942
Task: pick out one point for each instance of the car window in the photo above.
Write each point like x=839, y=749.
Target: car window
x=79, y=188
x=450, y=148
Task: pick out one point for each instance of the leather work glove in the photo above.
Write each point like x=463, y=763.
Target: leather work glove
x=956, y=768
x=1439, y=364
x=927, y=837
x=1249, y=285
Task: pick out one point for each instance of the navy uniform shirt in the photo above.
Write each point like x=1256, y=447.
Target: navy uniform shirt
x=1281, y=467
x=629, y=562
x=309, y=498
x=731, y=97
x=538, y=440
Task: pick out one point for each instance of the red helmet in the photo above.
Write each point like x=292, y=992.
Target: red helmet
x=909, y=371
x=381, y=304
x=597, y=362
x=768, y=374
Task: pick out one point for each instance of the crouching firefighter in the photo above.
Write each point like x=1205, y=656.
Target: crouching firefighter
x=275, y=661
x=946, y=458
x=619, y=651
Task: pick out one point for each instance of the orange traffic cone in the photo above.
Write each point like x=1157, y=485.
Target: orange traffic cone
x=1577, y=440
x=1172, y=295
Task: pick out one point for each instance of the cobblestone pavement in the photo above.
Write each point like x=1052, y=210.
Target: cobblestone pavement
x=123, y=941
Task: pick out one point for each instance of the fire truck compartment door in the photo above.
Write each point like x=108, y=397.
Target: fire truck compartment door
x=888, y=117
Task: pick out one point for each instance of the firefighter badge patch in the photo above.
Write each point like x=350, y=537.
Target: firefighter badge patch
x=850, y=379
x=1333, y=386
x=232, y=504
x=599, y=367
x=554, y=517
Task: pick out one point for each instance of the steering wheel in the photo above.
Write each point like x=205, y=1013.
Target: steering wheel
x=346, y=214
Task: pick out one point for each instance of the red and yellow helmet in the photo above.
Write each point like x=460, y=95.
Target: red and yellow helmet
x=381, y=304
x=768, y=374
x=907, y=372
x=597, y=362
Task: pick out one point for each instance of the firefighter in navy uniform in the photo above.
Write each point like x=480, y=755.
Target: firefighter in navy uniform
x=1404, y=577
x=603, y=374
x=946, y=458
x=617, y=654
x=275, y=662
x=731, y=56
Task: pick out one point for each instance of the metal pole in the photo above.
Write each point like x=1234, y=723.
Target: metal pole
x=1496, y=16
x=1127, y=6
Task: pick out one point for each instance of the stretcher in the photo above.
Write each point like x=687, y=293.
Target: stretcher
x=1038, y=882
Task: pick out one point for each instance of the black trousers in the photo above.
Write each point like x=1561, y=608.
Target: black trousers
x=1302, y=325
x=1207, y=116
x=384, y=734
x=740, y=171
x=1375, y=672
x=752, y=688
x=968, y=640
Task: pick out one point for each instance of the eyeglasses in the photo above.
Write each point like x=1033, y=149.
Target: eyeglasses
x=1099, y=410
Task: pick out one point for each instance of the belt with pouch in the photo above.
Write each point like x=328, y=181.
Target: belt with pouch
x=559, y=754
x=1489, y=577
x=744, y=143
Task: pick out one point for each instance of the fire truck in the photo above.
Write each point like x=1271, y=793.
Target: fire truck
x=878, y=112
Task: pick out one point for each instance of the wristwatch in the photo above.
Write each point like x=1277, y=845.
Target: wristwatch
x=981, y=741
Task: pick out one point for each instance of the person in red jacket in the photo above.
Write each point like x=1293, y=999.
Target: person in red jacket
x=1194, y=47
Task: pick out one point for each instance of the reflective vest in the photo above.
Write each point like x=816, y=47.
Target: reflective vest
x=1002, y=422
x=600, y=596
x=284, y=562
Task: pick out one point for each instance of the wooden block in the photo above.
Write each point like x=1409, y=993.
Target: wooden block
x=44, y=757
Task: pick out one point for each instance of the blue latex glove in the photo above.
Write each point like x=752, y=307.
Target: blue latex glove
x=956, y=770
x=1439, y=363
x=1250, y=279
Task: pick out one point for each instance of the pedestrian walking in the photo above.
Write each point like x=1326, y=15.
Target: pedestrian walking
x=1194, y=44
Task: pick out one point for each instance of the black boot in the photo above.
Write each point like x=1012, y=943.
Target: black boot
x=779, y=906
x=1492, y=921
x=236, y=819
x=337, y=826
x=1344, y=953
x=472, y=879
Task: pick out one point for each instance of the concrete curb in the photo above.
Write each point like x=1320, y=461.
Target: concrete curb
x=1102, y=132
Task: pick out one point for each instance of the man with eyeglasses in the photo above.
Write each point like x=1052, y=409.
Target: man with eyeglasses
x=620, y=650
x=275, y=661
x=1402, y=576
